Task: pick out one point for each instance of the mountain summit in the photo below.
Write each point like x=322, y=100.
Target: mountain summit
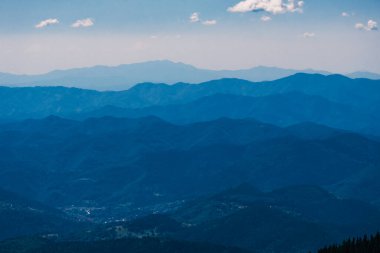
x=124, y=76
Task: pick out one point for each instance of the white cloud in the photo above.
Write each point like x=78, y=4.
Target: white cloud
x=345, y=14
x=47, y=22
x=271, y=6
x=266, y=18
x=308, y=35
x=209, y=22
x=87, y=22
x=194, y=18
x=360, y=26
x=370, y=26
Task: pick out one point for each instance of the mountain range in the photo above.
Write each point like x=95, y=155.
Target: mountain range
x=125, y=76
x=114, y=167
x=228, y=165
x=283, y=220
x=335, y=101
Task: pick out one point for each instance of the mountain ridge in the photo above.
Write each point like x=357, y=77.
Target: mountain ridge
x=142, y=161
x=163, y=71
x=334, y=100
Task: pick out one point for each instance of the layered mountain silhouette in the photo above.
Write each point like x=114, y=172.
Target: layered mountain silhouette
x=335, y=101
x=228, y=165
x=148, y=162
x=282, y=110
x=125, y=76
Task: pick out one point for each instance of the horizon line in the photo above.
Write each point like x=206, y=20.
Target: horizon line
x=186, y=64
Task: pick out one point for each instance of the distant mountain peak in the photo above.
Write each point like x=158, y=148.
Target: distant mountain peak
x=364, y=74
x=124, y=76
x=305, y=75
x=315, y=77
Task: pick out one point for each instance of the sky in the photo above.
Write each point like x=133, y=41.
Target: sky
x=38, y=36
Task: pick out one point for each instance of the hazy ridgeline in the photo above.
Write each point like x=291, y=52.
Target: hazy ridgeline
x=229, y=165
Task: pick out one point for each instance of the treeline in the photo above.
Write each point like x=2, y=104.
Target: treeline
x=356, y=245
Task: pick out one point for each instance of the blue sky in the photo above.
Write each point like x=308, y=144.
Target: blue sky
x=42, y=35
